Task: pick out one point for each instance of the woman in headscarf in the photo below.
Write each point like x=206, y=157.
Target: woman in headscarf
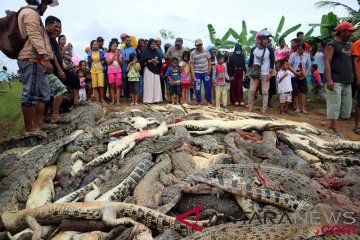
x=236, y=71
x=152, y=87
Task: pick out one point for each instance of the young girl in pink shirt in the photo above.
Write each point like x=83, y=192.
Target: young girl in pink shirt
x=114, y=62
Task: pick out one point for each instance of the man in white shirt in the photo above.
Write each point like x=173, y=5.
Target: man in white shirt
x=262, y=55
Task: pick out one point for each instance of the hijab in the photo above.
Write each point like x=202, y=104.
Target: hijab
x=238, y=60
x=149, y=54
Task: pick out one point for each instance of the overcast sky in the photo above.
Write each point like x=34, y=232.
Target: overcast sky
x=85, y=20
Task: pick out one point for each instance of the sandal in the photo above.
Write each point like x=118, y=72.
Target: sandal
x=357, y=130
x=37, y=133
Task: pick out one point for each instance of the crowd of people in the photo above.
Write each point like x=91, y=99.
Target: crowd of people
x=144, y=71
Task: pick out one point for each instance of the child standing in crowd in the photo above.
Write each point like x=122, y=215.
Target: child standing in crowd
x=219, y=77
x=319, y=60
x=185, y=76
x=164, y=67
x=315, y=79
x=174, y=77
x=285, y=88
x=82, y=92
x=84, y=68
x=133, y=78
x=96, y=59
x=114, y=61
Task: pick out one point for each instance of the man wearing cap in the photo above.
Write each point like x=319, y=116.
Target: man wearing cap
x=339, y=76
x=201, y=67
x=33, y=61
x=177, y=50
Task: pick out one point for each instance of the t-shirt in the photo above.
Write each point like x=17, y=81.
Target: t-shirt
x=320, y=61
x=115, y=66
x=355, y=51
x=265, y=67
x=185, y=74
x=125, y=52
x=281, y=53
x=173, y=52
x=200, y=61
x=341, y=63
x=315, y=78
x=82, y=82
x=285, y=84
x=174, y=74
x=134, y=73
x=96, y=66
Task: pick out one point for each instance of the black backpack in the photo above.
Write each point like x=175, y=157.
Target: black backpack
x=11, y=41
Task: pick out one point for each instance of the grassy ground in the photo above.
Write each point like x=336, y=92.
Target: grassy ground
x=11, y=120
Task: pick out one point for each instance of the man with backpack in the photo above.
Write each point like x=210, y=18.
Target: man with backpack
x=34, y=62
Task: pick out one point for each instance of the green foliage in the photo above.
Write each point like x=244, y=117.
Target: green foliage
x=287, y=33
x=166, y=34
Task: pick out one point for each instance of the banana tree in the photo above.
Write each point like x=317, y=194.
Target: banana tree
x=353, y=14
x=279, y=31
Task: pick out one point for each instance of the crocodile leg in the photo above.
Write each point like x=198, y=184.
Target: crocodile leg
x=265, y=180
x=128, y=149
x=208, y=131
x=35, y=227
x=109, y=218
x=92, y=195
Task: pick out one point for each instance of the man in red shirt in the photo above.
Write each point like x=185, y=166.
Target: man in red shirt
x=355, y=53
x=300, y=37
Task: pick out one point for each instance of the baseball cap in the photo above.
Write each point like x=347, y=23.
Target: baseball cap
x=100, y=39
x=346, y=26
x=198, y=42
x=123, y=35
x=179, y=41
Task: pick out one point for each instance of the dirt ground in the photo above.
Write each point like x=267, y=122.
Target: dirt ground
x=316, y=117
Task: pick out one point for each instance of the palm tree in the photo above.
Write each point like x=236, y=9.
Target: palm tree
x=354, y=15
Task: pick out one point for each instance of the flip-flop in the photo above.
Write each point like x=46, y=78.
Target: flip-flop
x=357, y=130
x=37, y=133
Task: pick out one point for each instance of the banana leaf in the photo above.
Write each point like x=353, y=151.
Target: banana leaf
x=212, y=34
x=243, y=33
x=289, y=31
x=324, y=31
x=234, y=34
x=309, y=33
x=280, y=28
x=226, y=36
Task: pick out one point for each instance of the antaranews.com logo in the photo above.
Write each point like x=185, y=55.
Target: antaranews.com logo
x=328, y=223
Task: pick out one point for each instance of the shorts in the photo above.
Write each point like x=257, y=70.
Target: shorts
x=57, y=88
x=285, y=97
x=115, y=78
x=72, y=79
x=35, y=83
x=185, y=86
x=97, y=80
x=134, y=87
x=339, y=101
x=175, y=89
x=299, y=86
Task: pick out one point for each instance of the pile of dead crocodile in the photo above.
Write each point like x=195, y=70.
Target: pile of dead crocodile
x=140, y=172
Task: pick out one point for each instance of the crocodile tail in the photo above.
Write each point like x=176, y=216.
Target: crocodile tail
x=29, y=141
